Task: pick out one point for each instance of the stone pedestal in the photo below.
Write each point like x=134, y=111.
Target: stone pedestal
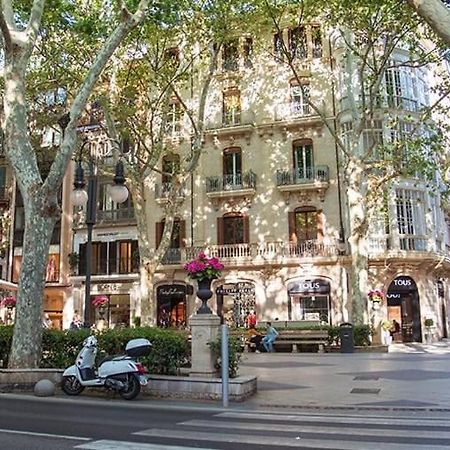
x=204, y=328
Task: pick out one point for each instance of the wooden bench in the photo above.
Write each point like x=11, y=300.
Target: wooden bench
x=296, y=338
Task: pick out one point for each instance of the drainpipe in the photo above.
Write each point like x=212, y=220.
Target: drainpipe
x=336, y=147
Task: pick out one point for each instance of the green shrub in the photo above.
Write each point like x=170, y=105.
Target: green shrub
x=170, y=349
x=5, y=343
x=234, y=354
x=361, y=335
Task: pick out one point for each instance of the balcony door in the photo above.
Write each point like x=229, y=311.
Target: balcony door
x=305, y=225
x=232, y=167
x=233, y=229
x=303, y=160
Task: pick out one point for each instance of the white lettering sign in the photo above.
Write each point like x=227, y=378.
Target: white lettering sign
x=402, y=282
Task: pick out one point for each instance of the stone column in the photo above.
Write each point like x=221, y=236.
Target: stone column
x=204, y=328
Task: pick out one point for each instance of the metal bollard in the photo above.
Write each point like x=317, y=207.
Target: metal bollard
x=224, y=358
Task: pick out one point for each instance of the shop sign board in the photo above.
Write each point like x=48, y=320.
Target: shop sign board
x=400, y=285
x=238, y=288
x=314, y=286
x=171, y=290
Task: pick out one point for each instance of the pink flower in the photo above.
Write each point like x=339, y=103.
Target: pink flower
x=8, y=301
x=204, y=267
x=100, y=300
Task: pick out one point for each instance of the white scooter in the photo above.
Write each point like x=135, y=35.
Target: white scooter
x=119, y=373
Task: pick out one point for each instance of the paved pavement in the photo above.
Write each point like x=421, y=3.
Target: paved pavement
x=409, y=376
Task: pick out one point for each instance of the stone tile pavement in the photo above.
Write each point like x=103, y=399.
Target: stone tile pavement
x=409, y=376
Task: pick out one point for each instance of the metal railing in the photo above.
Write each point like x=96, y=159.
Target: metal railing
x=303, y=176
x=231, y=182
x=254, y=251
x=164, y=190
x=115, y=215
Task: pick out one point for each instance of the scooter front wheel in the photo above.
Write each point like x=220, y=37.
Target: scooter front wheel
x=71, y=386
x=131, y=389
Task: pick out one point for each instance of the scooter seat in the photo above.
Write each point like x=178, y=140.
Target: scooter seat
x=111, y=358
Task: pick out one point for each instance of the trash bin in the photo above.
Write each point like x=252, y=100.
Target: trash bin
x=346, y=338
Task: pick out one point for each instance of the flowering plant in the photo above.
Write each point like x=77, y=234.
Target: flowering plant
x=100, y=300
x=376, y=295
x=8, y=302
x=203, y=267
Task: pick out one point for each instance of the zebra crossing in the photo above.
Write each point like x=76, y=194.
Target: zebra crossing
x=284, y=431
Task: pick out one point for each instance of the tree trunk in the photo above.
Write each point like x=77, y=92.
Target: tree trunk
x=356, y=195
x=148, y=302
x=435, y=13
x=27, y=336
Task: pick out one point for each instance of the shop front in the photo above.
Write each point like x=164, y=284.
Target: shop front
x=172, y=305
x=404, y=307
x=235, y=301
x=309, y=301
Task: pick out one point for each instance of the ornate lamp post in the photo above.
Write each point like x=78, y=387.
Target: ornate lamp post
x=79, y=196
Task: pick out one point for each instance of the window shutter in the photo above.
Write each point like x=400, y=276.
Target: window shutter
x=220, y=237
x=320, y=225
x=246, y=222
x=82, y=260
x=134, y=256
x=292, y=230
x=112, y=258
x=103, y=257
x=182, y=233
x=159, y=232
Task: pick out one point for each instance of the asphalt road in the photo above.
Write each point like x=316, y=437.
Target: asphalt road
x=100, y=423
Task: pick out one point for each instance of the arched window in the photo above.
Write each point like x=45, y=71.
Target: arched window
x=305, y=224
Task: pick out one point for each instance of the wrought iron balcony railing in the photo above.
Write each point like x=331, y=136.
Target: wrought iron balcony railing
x=232, y=182
x=303, y=176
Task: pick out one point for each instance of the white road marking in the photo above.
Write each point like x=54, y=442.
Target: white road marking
x=280, y=442
x=126, y=445
x=320, y=429
x=56, y=436
x=334, y=419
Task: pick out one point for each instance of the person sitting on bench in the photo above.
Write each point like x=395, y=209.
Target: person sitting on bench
x=269, y=338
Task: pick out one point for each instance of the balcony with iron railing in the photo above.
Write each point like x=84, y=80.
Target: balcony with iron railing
x=303, y=181
x=233, y=124
x=379, y=245
x=257, y=252
x=221, y=188
x=164, y=190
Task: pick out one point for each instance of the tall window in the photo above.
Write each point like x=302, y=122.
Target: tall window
x=174, y=114
x=298, y=43
x=299, y=99
x=108, y=210
x=410, y=207
x=233, y=228
x=248, y=53
x=278, y=46
x=303, y=160
x=177, y=238
x=231, y=108
x=393, y=88
x=170, y=166
x=316, y=38
x=232, y=166
x=305, y=225
x=230, y=59
x=372, y=136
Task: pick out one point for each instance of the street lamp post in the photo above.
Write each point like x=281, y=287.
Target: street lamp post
x=118, y=193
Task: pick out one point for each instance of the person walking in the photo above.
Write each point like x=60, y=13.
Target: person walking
x=270, y=337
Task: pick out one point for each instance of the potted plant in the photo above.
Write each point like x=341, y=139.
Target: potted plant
x=429, y=323
x=204, y=269
x=74, y=259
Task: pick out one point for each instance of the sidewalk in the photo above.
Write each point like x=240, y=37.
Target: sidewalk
x=409, y=376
